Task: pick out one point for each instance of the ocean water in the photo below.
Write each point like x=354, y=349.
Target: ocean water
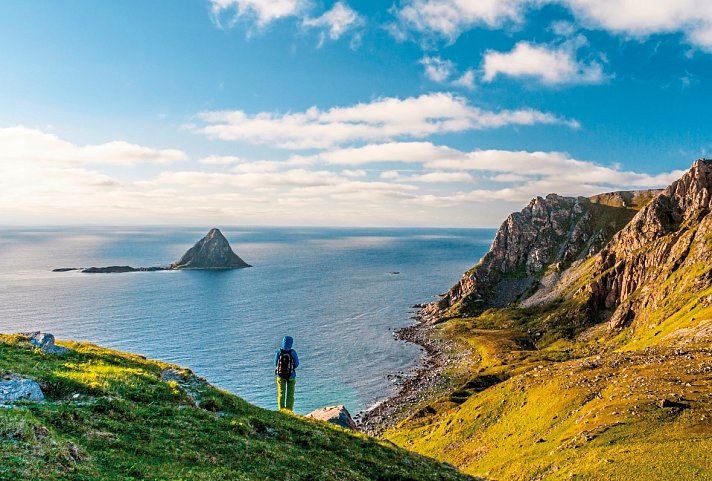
x=339, y=292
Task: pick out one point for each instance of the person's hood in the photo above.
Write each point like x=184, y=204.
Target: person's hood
x=287, y=343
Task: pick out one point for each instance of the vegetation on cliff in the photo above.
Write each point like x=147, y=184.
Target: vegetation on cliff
x=602, y=367
x=109, y=415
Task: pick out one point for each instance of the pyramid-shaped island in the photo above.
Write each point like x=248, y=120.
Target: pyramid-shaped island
x=211, y=252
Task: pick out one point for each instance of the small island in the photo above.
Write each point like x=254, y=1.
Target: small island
x=211, y=252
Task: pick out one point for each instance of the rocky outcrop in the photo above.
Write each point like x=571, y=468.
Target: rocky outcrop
x=620, y=265
x=45, y=342
x=547, y=236
x=632, y=199
x=118, y=269
x=211, y=252
x=338, y=415
x=664, y=251
x=19, y=390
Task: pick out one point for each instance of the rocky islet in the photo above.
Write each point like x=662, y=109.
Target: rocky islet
x=211, y=252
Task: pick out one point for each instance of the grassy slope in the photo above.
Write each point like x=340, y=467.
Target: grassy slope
x=572, y=410
x=533, y=403
x=109, y=415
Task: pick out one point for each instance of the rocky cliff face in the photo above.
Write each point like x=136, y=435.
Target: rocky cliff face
x=623, y=267
x=546, y=237
x=211, y=252
x=661, y=256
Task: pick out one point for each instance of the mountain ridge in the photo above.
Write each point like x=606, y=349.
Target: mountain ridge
x=602, y=369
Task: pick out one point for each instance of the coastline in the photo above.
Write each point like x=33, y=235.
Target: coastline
x=423, y=384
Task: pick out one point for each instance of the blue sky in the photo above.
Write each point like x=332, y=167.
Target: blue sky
x=305, y=112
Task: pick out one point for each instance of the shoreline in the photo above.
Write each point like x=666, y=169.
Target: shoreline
x=424, y=383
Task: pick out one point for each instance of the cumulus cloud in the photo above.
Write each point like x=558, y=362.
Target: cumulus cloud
x=406, y=183
x=442, y=71
x=450, y=17
x=552, y=65
x=466, y=80
x=354, y=173
x=263, y=11
x=403, y=152
x=437, y=69
x=219, y=160
x=635, y=18
x=381, y=119
x=34, y=145
x=336, y=22
x=530, y=173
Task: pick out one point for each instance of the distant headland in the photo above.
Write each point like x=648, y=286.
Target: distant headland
x=211, y=252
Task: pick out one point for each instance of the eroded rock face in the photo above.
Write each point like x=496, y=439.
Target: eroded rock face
x=338, y=415
x=673, y=232
x=17, y=390
x=549, y=234
x=656, y=262
x=211, y=252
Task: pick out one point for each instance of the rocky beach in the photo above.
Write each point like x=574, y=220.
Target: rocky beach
x=417, y=386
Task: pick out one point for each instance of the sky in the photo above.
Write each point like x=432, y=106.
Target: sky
x=447, y=113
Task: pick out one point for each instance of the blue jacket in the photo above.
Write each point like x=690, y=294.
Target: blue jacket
x=287, y=346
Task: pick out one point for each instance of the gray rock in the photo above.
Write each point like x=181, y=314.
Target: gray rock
x=16, y=390
x=549, y=234
x=338, y=415
x=211, y=252
x=44, y=341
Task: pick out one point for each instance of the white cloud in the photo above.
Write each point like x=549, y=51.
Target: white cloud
x=264, y=11
x=405, y=152
x=441, y=178
x=636, y=18
x=531, y=173
x=258, y=166
x=381, y=119
x=640, y=18
x=354, y=173
x=550, y=65
x=335, y=22
x=450, y=17
x=46, y=179
x=437, y=69
x=390, y=174
x=34, y=145
x=220, y=160
x=466, y=80
x=247, y=180
x=441, y=71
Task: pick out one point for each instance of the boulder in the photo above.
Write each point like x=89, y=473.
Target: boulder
x=44, y=341
x=338, y=415
x=211, y=252
x=16, y=390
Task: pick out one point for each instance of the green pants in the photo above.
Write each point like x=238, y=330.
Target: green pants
x=285, y=393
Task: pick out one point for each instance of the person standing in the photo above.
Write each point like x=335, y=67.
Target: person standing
x=286, y=362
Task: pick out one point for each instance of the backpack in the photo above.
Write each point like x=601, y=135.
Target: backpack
x=285, y=364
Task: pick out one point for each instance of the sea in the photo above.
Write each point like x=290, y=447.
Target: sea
x=339, y=292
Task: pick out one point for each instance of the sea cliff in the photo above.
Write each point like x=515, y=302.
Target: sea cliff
x=584, y=339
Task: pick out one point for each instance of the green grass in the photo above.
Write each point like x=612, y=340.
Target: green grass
x=537, y=401
x=110, y=416
x=596, y=418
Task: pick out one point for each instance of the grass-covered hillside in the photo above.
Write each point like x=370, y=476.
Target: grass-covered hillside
x=564, y=412
x=109, y=415
x=602, y=369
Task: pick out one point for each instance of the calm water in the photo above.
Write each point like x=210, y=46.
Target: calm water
x=333, y=290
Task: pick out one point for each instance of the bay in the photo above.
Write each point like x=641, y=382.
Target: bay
x=340, y=292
